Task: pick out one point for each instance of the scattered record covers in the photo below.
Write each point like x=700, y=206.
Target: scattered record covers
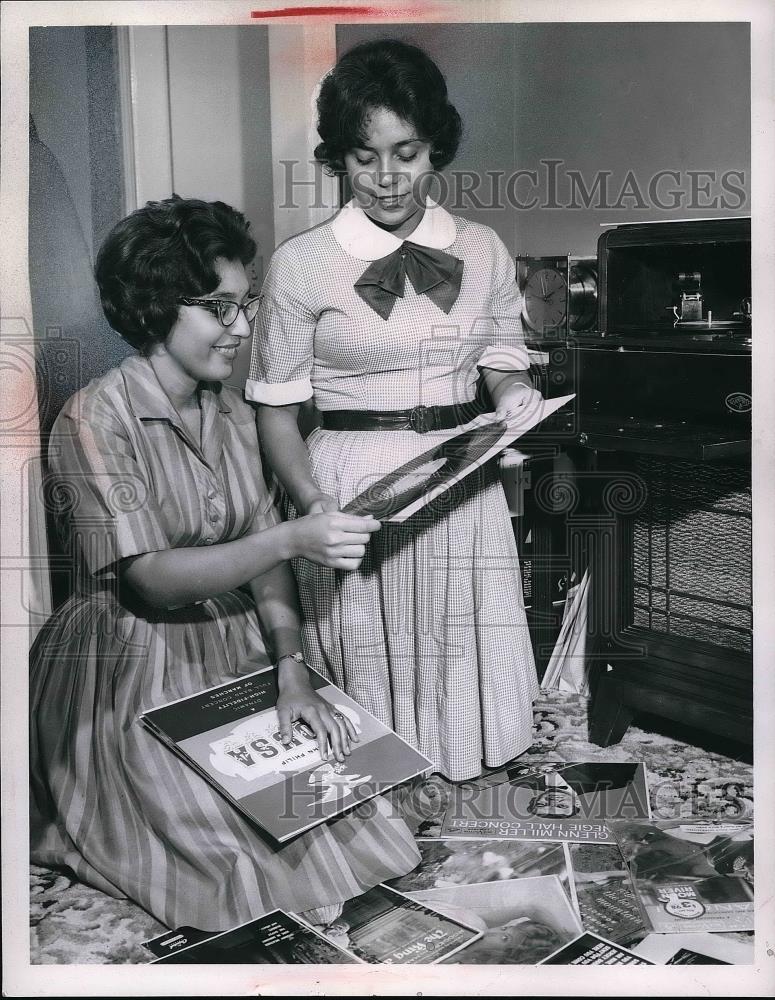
x=686, y=956
x=697, y=949
x=592, y=790
x=275, y=939
x=385, y=926
x=565, y=802
x=591, y=949
x=691, y=876
x=522, y=920
x=172, y=941
x=604, y=893
x=571, y=804
x=464, y=862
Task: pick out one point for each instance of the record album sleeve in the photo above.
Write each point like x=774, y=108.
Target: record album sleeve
x=400, y=493
x=229, y=735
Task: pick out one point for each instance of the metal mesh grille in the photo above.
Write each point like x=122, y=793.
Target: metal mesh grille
x=692, y=552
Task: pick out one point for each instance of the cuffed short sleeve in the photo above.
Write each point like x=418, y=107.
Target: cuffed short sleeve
x=283, y=342
x=506, y=350
x=98, y=490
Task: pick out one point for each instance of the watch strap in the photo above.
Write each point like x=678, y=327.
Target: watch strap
x=298, y=656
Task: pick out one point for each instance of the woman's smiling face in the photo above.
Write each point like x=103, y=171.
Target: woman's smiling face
x=391, y=173
x=198, y=346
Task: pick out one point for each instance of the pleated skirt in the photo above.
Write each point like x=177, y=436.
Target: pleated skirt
x=430, y=633
x=113, y=805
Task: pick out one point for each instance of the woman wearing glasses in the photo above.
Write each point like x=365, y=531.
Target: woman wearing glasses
x=182, y=583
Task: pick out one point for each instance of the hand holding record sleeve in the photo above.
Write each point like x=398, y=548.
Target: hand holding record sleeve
x=230, y=735
x=399, y=494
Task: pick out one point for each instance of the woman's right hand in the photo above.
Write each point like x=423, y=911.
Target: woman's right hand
x=332, y=538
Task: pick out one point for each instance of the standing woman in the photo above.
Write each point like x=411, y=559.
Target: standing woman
x=182, y=579
x=391, y=307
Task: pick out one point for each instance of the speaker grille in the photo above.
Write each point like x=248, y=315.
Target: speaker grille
x=692, y=552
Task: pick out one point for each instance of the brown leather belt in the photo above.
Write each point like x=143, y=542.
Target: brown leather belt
x=420, y=419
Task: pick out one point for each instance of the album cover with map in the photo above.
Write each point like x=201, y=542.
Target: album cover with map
x=229, y=735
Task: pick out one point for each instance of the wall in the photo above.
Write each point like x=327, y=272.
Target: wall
x=59, y=106
x=220, y=129
x=219, y=121
x=76, y=195
x=605, y=97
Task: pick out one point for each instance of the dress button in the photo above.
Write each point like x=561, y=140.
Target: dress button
x=211, y=495
x=214, y=518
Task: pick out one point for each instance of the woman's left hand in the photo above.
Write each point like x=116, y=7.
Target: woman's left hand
x=517, y=402
x=298, y=700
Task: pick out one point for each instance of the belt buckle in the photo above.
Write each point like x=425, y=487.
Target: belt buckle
x=421, y=419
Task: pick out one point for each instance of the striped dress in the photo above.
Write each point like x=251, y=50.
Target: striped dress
x=430, y=634
x=109, y=801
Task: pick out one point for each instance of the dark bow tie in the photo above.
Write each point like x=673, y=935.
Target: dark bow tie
x=431, y=272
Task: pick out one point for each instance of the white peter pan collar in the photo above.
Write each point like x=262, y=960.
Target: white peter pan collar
x=358, y=236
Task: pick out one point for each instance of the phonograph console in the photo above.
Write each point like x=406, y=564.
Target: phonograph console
x=661, y=438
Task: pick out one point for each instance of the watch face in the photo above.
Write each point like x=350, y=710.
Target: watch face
x=545, y=299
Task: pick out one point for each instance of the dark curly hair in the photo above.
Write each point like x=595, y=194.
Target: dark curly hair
x=163, y=251
x=391, y=74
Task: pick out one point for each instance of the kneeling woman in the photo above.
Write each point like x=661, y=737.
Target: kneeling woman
x=161, y=495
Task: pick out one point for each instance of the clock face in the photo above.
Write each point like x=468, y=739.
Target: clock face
x=545, y=299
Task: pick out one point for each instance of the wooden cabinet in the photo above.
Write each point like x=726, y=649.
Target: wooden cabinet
x=670, y=617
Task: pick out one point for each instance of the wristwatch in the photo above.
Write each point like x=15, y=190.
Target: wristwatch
x=298, y=656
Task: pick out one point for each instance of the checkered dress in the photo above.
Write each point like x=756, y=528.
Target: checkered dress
x=430, y=633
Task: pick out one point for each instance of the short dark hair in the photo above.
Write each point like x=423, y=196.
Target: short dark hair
x=163, y=251
x=391, y=74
